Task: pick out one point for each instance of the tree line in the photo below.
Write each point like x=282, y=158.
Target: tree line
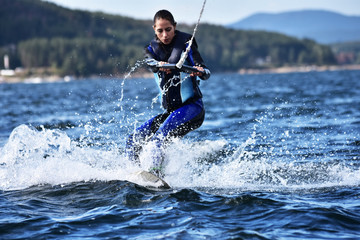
x=229, y=50
x=78, y=56
x=81, y=43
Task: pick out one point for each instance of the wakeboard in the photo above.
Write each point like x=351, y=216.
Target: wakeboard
x=149, y=180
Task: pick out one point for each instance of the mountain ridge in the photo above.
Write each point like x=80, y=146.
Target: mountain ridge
x=320, y=25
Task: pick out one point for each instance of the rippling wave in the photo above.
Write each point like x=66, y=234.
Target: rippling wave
x=277, y=157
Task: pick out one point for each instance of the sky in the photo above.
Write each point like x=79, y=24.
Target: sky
x=216, y=11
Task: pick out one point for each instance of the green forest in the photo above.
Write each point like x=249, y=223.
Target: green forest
x=38, y=34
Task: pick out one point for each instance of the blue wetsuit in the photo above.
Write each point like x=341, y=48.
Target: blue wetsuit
x=180, y=96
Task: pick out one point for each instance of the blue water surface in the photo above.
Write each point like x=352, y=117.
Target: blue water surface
x=276, y=158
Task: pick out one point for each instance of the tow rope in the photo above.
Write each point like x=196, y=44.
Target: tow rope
x=186, y=52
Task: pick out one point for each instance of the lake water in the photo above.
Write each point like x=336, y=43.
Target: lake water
x=278, y=157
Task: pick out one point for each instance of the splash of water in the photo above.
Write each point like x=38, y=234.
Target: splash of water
x=170, y=83
x=244, y=169
x=33, y=157
x=138, y=64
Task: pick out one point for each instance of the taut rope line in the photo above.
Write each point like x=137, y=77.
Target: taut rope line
x=185, y=54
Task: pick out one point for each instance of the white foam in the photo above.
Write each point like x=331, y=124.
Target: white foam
x=33, y=157
x=249, y=170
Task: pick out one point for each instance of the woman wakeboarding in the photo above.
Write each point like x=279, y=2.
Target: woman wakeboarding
x=180, y=93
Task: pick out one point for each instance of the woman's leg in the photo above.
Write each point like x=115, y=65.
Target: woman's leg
x=177, y=124
x=141, y=135
x=182, y=121
x=161, y=128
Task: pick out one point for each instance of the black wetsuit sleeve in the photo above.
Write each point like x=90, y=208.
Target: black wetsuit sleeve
x=149, y=56
x=198, y=61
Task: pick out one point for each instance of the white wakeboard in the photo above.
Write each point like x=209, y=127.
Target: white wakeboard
x=150, y=180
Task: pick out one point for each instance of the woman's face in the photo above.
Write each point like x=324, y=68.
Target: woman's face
x=164, y=30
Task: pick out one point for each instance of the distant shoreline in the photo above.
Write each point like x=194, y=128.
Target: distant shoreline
x=280, y=70
x=300, y=69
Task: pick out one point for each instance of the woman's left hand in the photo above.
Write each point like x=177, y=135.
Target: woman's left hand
x=197, y=73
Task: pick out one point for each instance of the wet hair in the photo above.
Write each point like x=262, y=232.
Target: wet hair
x=164, y=14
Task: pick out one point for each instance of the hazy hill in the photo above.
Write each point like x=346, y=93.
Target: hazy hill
x=322, y=26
